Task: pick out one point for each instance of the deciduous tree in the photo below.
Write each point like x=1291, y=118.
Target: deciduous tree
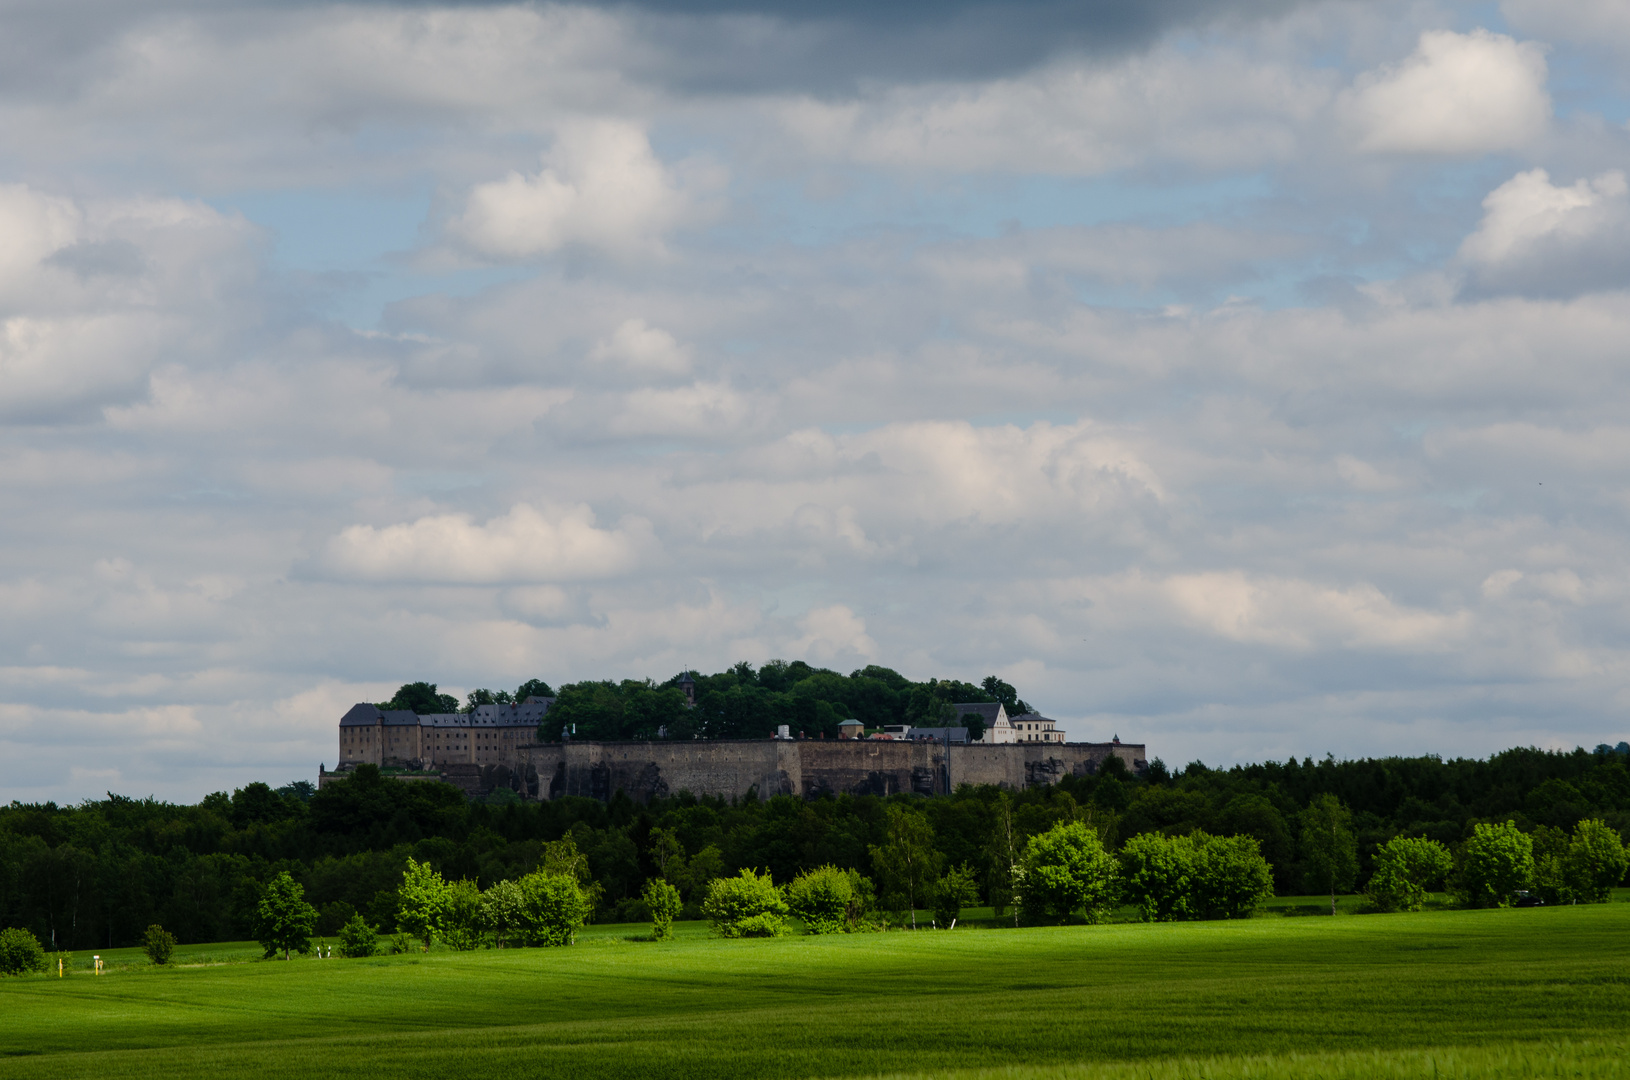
x=1231, y=878
x=1067, y=870
x=955, y=889
x=553, y=908
x=421, y=901
x=1405, y=867
x=663, y=901
x=1157, y=875
x=283, y=920
x=906, y=863
x=1497, y=862
x=1329, y=851
x=501, y=911
x=1595, y=861
x=462, y=916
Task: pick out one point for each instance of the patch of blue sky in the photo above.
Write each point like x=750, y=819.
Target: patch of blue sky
x=994, y=419
x=354, y=243
x=436, y=482
x=869, y=201
x=1583, y=86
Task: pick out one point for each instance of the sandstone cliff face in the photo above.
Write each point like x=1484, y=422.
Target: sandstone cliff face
x=806, y=768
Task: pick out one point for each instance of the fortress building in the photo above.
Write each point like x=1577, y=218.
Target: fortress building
x=496, y=746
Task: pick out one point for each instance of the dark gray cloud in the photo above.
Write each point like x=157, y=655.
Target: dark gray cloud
x=831, y=46
x=721, y=46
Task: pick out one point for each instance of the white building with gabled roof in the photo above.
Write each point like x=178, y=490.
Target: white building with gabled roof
x=998, y=729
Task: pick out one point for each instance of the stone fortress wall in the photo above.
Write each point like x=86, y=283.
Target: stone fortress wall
x=806, y=768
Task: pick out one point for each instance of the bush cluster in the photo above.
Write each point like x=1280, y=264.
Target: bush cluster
x=159, y=944
x=747, y=905
x=1198, y=876
x=20, y=952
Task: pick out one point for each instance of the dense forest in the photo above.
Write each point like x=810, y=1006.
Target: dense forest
x=741, y=703
x=99, y=873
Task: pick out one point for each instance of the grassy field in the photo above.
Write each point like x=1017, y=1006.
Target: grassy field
x=1538, y=992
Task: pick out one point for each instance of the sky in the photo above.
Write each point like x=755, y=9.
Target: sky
x=1248, y=379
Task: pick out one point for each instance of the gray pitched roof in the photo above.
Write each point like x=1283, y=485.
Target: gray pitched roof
x=360, y=715
x=988, y=710
x=527, y=714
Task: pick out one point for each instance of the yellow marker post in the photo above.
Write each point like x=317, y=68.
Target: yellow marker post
x=59, y=967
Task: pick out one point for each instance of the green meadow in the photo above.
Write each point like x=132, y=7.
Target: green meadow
x=1536, y=992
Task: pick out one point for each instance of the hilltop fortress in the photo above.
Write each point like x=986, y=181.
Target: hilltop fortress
x=495, y=746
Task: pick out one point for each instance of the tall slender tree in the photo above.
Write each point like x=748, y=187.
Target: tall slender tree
x=906, y=863
x=1328, y=848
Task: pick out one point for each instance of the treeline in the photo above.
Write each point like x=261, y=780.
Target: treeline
x=100, y=873
x=741, y=703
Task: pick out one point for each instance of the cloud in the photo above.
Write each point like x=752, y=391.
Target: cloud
x=601, y=188
x=1456, y=94
x=1294, y=614
x=1222, y=110
x=710, y=411
x=1602, y=25
x=640, y=348
x=521, y=546
x=1537, y=237
x=96, y=295
x=831, y=633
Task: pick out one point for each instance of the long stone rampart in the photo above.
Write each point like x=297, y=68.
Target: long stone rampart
x=804, y=768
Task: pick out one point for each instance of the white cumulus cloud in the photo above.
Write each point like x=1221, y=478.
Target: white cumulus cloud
x=642, y=348
x=523, y=545
x=832, y=633
x=601, y=187
x=1455, y=94
x=1539, y=236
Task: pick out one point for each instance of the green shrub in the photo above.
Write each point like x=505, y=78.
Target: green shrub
x=745, y=906
x=1198, y=876
x=1495, y=864
x=1595, y=861
x=357, y=938
x=400, y=942
x=1231, y=878
x=861, y=913
x=462, y=917
x=821, y=898
x=951, y=892
x=501, y=911
x=662, y=900
x=553, y=908
x=422, y=900
x=1405, y=867
x=159, y=944
x=20, y=952
x=1066, y=870
x=1157, y=876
